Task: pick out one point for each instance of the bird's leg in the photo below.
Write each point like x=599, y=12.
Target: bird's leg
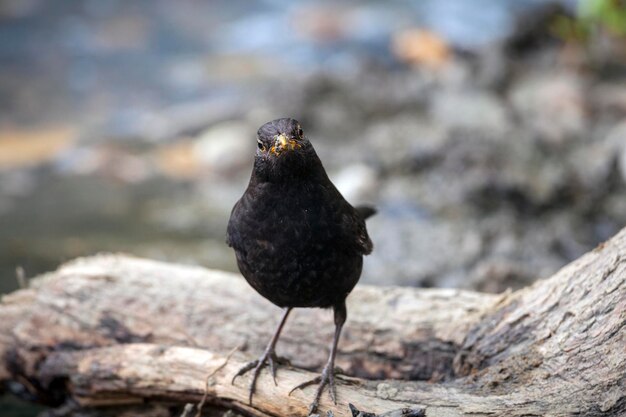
x=268, y=356
x=327, y=376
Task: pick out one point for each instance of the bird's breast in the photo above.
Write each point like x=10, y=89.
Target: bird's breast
x=289, y=246
x=284, y=221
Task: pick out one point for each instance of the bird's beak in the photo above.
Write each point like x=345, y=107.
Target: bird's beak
x=283, y=143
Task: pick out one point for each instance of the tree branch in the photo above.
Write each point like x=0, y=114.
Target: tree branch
x=113, y=329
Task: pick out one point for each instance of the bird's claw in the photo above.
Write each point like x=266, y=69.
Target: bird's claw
x=327, y=377
x=268, y=357
x=243, y=370
x=305, y=384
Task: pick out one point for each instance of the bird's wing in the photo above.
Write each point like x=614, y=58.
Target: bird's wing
x=365, y=211
x=231, y=231
x=352, y=221
x=363, y=239
x=354, y=227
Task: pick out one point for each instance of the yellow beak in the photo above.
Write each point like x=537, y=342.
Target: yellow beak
x=283, y=143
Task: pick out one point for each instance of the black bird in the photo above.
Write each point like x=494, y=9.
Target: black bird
x=298, y=242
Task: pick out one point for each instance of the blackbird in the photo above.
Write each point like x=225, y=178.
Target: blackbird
x=298, y=242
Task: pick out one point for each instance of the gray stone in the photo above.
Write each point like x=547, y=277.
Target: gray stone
x=553, y=106
x=225, y=146
x=357, y=183
x=470, y=109
x=616, y=143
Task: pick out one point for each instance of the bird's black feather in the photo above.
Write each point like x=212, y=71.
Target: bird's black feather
x=365, y=211
x=298, y=242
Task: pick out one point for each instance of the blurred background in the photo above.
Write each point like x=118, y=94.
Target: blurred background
x=490, y=134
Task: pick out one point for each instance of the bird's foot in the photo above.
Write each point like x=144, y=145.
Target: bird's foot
x=327, y=377
x=269, y=358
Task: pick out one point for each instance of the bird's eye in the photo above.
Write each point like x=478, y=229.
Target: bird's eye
x=260, y=145
x=300, y=132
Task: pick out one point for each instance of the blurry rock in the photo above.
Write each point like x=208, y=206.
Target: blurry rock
x=188, y=215
x=497, y=275
x=457, y=75
x=211, y=253
x=222, y=148
x=321, y=23
x=406, y=143
x=418, y=252
x=347, y=103
x=616, y=142
x=27, y=148
x=493, y=68
x=553, y=106
x=548, y=183
x=15, y=9
x=81, y=160
x=490, y=172
x=357, y=182
x=592, y=164
x=534, y=28
x=219, y=197
x=473, y=110
x=127, y=167
x=178, y=160
x=622, y=163
x=609, y=98
x=148, y=125
x=615, y=208
x=333, y=114
x=380, y=92
x=187, y=74
x=420, y=47
x=225, y=146
x=106, y=160
x=17, y=183
x=123, y=32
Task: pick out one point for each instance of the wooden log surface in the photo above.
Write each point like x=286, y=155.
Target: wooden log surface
x=114, y=329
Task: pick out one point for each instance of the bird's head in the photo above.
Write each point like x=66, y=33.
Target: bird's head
x=283, y=151
x=279, y=137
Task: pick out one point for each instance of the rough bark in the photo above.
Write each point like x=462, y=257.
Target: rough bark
x=113, y=329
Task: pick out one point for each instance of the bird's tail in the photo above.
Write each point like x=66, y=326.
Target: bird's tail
x=366, y=211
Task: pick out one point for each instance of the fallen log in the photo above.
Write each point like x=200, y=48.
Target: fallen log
x=113, y=329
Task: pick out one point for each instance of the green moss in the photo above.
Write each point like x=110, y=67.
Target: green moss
x=607, y=15
x=593, y=17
